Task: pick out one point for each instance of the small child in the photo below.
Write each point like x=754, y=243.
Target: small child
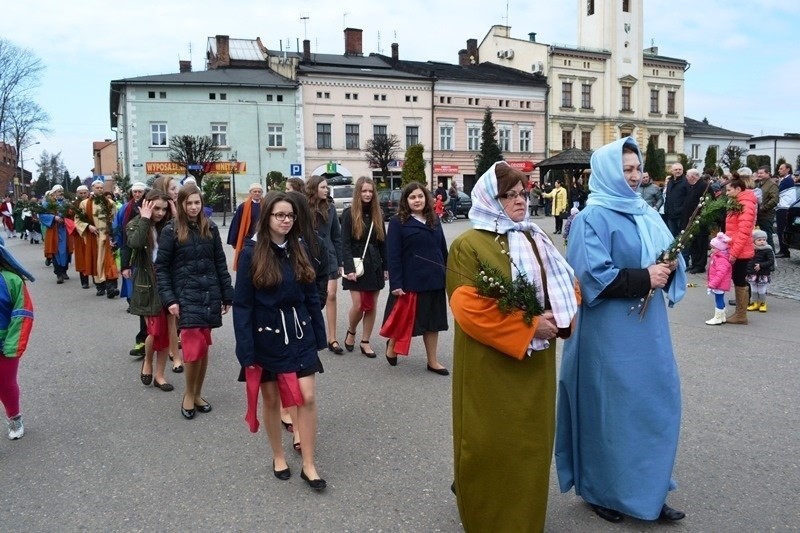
x=758, y=271
x=16, y=321
x=567, y=223
x=720, y=272
x=438, y=206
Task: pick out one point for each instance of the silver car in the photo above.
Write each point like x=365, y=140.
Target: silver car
x=342, y=196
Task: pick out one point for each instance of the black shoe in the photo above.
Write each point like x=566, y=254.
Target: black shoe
x=283, y=475
x=371, y=355
x=48, y=262
x=335, y=348
x=392, y=360
x=608, y=514
x=101, y=290
x=440, y=371
x=350, y=347
x=138, y=350
x=85, y=285
x=316, y=484
x=65, y=276
x=147, y=379
x=782, y=255
x=166, y=387
x=59, y=279
x=453, y=488
x=669, y=514
x=188, y=414
x=205, y=408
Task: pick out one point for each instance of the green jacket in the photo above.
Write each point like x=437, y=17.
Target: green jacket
x=16, y=319
x=144, y=299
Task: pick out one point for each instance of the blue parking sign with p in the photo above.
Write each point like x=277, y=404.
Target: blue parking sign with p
x=296, y=170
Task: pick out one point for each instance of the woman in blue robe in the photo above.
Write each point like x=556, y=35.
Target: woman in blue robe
x=619, y=401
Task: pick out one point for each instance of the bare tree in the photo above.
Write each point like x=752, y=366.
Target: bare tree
x=19, y=72
x=732, y=157
x=192, y=150
x=381, y=151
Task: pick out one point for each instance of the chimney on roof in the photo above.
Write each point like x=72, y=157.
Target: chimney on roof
x=184, y=66
x=532, y=36
x=463, y=58
x=395, y=51
x=352, y=42
x=306, y=50
x=472, y=51
x=223, y=51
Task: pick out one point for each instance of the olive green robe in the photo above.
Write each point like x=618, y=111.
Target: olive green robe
x=503, y=414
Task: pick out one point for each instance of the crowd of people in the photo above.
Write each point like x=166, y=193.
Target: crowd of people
x=610, y=416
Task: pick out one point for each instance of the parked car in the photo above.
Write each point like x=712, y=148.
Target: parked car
x=342, y=197
x=791, y=234
x=464, y=205
x=389, y=201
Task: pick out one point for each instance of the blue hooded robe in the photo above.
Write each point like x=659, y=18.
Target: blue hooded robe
x=619, y=401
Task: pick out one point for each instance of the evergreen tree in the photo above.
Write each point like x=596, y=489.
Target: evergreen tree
x=75, y=183
x=685, y=161
x=652, y=164
x=123, y=182
x=710, y=163
x=276, y=181
x=490, y=151
x=732, y=157
x=413, y=165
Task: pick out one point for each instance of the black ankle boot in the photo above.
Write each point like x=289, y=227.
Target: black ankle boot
x=111, y=289
x=101, y=289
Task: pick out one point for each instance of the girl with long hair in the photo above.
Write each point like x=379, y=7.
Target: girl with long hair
x=142, y=238
x=326, y=224
x=417, y=252
x=279, y=329
x=170, y=186
x=195, y=287
x=363, y=236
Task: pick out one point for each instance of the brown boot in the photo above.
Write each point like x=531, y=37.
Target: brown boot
x=742, y=299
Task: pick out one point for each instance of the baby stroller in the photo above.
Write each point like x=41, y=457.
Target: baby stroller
x=448, y=216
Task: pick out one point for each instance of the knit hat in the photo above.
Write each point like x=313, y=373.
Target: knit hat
x=721, y=241
x=138, y=186
x=759, y=234
x=255, y=186
x=574, y=211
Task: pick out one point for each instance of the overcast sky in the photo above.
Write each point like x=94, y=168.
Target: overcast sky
x=744, y=55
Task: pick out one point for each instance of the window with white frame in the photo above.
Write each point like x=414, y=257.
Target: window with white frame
x=504, y=137
x=696, y=151
x=525, y=135
x=158, y=134
x=351, y=137
x=275, y=135
x=380, y=131
x=446, y=140
x=473, y=137
x=324, y=135
x=219, y=133
x=412, y=135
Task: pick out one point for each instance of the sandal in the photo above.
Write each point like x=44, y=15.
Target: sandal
x=334, y=347
x=350, y=347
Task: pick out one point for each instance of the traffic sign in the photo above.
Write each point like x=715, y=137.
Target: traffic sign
x=194, y=167
x=137, y=165
x=296, y=170
x=330, y=168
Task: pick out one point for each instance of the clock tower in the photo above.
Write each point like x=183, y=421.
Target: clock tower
x=615, y=26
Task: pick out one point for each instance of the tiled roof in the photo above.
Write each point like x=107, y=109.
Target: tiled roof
x=698, y=128
x=484, y=72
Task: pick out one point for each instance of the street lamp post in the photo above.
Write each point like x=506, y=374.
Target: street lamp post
x=22, y=170
x=233, y=161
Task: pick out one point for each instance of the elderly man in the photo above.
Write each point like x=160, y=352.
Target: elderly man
x=81, y=193
x=650, y=192
x=769, y=201
x=245, y=222
x=96, y=227
x=698, y=250
x=675, y=191
x=786, y=197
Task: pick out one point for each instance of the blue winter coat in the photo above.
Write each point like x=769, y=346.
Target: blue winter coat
x=281, y=328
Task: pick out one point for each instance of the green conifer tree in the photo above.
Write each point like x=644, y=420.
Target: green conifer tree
x=490, y=151
x=413, y=165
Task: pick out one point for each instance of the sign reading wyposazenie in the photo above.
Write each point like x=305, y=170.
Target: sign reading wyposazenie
x=220, y=167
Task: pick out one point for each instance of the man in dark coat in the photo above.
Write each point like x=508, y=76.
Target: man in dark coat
x=675, y=191
x=698, y=251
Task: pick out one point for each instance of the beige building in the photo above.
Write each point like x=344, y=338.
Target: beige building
x=607, y=86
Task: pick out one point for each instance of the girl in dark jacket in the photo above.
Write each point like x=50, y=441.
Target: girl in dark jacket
x=326, y=224
x=279, y=328
x=142, y=241
x=362, y=229
x=759, y=269
x=417, y=253
x=195, y=287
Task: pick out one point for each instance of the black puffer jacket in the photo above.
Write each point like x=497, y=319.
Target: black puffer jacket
x=194, y=274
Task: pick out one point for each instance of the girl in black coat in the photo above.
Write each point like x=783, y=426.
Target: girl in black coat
x=279, y=327
x=195, y=287
x=364, y=214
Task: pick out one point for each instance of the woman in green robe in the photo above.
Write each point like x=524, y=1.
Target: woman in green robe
x=504, y=369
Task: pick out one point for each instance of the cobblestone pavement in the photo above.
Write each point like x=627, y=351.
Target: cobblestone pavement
x=786, y=278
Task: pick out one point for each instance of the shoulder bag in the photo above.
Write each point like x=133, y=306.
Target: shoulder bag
x=359, y=261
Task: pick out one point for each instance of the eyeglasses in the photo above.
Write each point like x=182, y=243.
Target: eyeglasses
x=283, y=216
x=511, y=195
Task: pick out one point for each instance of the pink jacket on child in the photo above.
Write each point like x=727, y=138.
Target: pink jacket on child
x=720, y=271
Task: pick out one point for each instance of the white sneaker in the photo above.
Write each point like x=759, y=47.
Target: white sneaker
x=16, y=429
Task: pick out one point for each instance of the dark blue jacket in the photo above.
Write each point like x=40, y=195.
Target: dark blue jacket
x=264, y=319
x=406, y=241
